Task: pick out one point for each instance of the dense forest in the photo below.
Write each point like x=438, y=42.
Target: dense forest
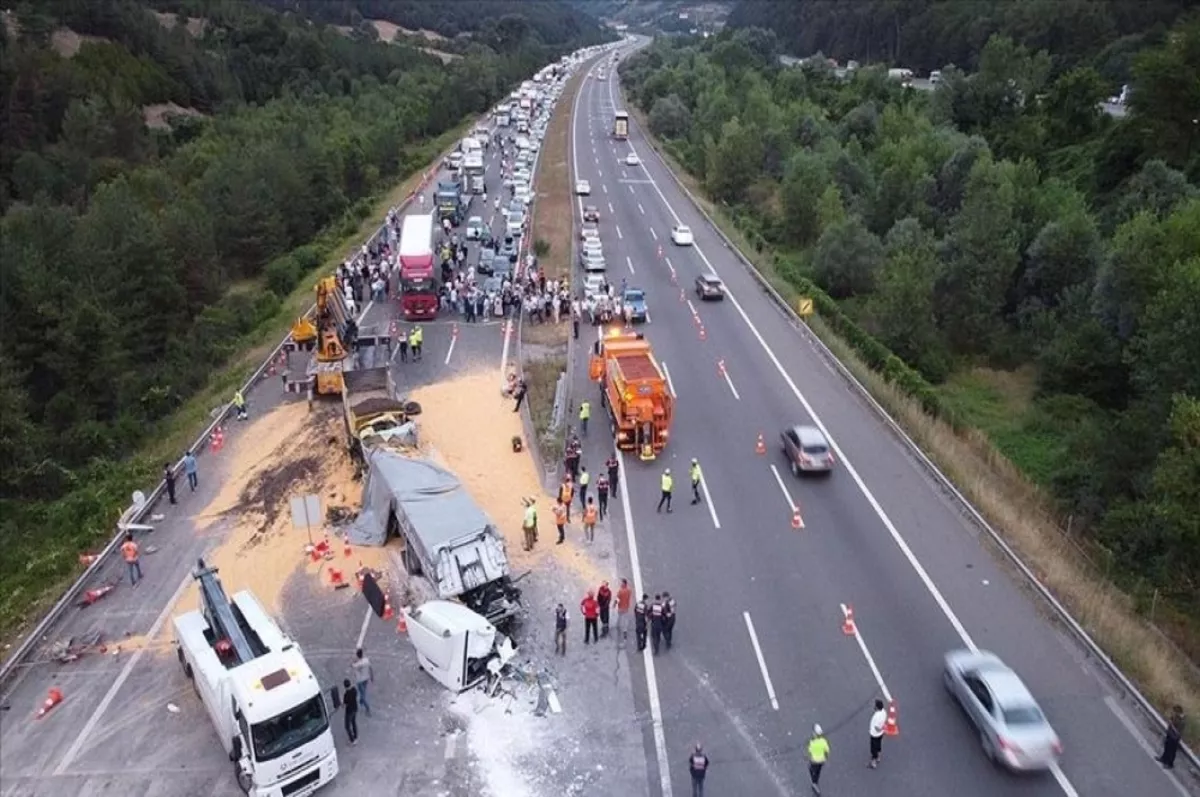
x=164, y=180
x=1002, y=220
x=930, y=34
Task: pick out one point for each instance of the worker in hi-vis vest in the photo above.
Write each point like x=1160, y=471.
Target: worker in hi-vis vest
x=696, y=477
x=668, y=485
x=585, y=414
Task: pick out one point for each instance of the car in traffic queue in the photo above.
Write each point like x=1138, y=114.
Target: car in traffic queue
x=681, y=235
x=710, y=288
x=589, y=230
x=515, y=223
x=487, y=259
x=807, y=450
x=590, y=247
x=476, y=229
x=591, y=213
x=1012, y=729
x=595, y=285
x=583, y=188
x=632, y=159
x=636, y=309
x=594, y=261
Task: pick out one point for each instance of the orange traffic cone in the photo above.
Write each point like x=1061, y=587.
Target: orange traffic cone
x=53, y=698
x=335, y=577
x=347, y=549
x=761, y=446
x=402, y=624
x=892, y=726
x=86, y=559
x=703, y=336
x=848, y=626
x=387, y=608
x=721, y=368
x=682, y=295
x=797, y=521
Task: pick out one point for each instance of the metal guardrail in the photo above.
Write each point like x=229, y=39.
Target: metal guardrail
x=1043, y=591
x=136, y=512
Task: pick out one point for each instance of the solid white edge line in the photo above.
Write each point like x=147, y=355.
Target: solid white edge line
x=729, y=381
x=667, y=374
x=692, y=307
x=450, y=351
x=366, y=624
x=783, y=489
x=762, y=662
x=656, y=716
x=89, y=727
x=712, y=509
x=862, y=645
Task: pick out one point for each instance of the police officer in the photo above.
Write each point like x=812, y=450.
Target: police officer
x=698, y=766
x=656, y=622
x=585, y=414
x=668, y=618
x=239, y=403
x=602, y=495
x=694, y=472
x=668, y=485
x=639, y=621
x=612, y=465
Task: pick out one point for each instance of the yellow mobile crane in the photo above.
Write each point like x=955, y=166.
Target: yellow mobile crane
x=337, y=344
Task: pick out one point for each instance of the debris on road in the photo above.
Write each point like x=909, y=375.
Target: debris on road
x=96, y=593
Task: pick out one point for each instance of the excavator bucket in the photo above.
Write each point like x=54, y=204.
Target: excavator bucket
x=304, y=331
x=596, y=368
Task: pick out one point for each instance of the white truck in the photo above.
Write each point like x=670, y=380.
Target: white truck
x=474, y=170
x=260, y=693
x=904, y=76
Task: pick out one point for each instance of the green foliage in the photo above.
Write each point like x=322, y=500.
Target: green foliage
x=137, y=263
x=1019, y=227
x=541, y=247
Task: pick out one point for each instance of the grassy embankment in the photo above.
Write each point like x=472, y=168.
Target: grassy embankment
x=24, y=599
x=1004, y=429
x=544, y=346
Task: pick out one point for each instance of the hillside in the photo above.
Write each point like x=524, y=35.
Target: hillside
x=931, y=34
x=1033, y=263
x=169, y=171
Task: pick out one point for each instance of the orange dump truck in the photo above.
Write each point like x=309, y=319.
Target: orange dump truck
x=634, y=390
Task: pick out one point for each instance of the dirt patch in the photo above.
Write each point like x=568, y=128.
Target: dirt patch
x=552, y=335
x=67, y=42
x=159, y=115
x=554, y=214
x=195, y=25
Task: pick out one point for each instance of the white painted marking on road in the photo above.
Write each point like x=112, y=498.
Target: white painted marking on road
x=450, y=351
x=667, y=374
x=692, y=307
x=366, y=624
x=656, y=716
x=641, y=209
x=603, y=188
x=653, y=234
x=729, y=381
x=618, y=229
x=629, y=262
x=90, y=726
x=762, y=662
x=610, y=209
x=862, y=644
x=712, y=509
x=783, y=488
x=451, y=744
x=504, y=355
x=629, y=186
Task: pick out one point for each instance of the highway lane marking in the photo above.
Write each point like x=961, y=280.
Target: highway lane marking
x=862, y=645
x=610, y=209
x=450, y=351
x=783, y=488
x=366, y=624
x=653, y=234
x=504, y=350
x=1124, y=719
x=627, y=185
x=667, y=374
x=618, y=229
x=897, y=537
x=603, y=188
x=90, y=726
x=656, y=715
x=729, y=381
x=712, y=509
x=629, y=262
x=641, y=209
x=762, y=662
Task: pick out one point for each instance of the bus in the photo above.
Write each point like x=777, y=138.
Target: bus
x=621, y=126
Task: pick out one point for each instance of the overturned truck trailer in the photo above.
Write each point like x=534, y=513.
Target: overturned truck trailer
x=447, y=538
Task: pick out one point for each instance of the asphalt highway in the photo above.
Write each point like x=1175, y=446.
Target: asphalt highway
x=760, y=652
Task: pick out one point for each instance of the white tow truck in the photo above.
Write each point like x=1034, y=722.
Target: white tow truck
x=263, y=698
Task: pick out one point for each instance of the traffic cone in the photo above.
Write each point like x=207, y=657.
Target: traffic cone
x=454, y=330
x=86, y=559
x=682, y=295
x=892, y=726
x=53, y=698
x=760, y=447
x=797, y=521
x=347, y=549
x=387, y=608
x=721, y=368
x=402, y=624
x=848, y=627
x=702, y=335
x=335, y=577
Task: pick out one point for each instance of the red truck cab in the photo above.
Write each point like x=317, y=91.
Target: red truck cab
x=418, y=281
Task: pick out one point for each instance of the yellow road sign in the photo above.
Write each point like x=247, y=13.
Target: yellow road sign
x=804, y=306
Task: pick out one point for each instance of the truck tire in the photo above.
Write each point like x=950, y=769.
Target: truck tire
x=187, y=668
x=411, y=565
x=412, y=408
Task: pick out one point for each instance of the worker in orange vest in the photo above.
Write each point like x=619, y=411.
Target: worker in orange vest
x=129, y=551
x=560, y=520
x=589, y=521
x=566, y=492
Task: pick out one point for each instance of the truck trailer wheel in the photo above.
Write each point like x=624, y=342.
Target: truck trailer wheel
x=187, y=668
x=411, y=564
x=412, y=408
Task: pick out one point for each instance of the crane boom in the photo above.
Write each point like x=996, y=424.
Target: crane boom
x=218, y=611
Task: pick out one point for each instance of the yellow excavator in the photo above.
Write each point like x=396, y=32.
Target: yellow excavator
x=336, y=342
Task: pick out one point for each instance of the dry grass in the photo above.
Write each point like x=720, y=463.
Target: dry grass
x=1013, y=506
x=158, y=116
x=548, y=335
x=67, y=42
x=541, y=375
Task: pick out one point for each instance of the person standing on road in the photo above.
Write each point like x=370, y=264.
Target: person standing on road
x=566, y=493
x=696, y=475
x=818, y=754
x=417, y=342
x=560, y=521
x=604, y=598
x=519, y=394
x=624, y=599
x=1173, y=738
x=350, y=709
x=192, y=470
x=668, y=485
x=613, y=466
x=602, y=495
x=591, y=611
x=639, y=621
x=585, y=479
x=589, y=522
x=585, y=415
x=363, y=674
x=239, y=404
x=560, y=630
x=169, y=481
x=403, y=338
x=875, y=730
x=698, y=766
x=656, y=623
x=668, y=618
x=529, y=524
x=129, y=552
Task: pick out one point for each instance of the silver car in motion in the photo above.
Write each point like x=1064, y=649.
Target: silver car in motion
x=1012, y=728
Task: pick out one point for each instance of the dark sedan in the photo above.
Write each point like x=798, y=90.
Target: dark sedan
x=709, y=286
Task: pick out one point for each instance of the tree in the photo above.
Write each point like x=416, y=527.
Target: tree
x=670, y=118
x=733, y=162
x=1166, y=95
x=1065, y=253
x=847, y=259
x=804, y=182
x=1072, y=106
x=901, y=308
